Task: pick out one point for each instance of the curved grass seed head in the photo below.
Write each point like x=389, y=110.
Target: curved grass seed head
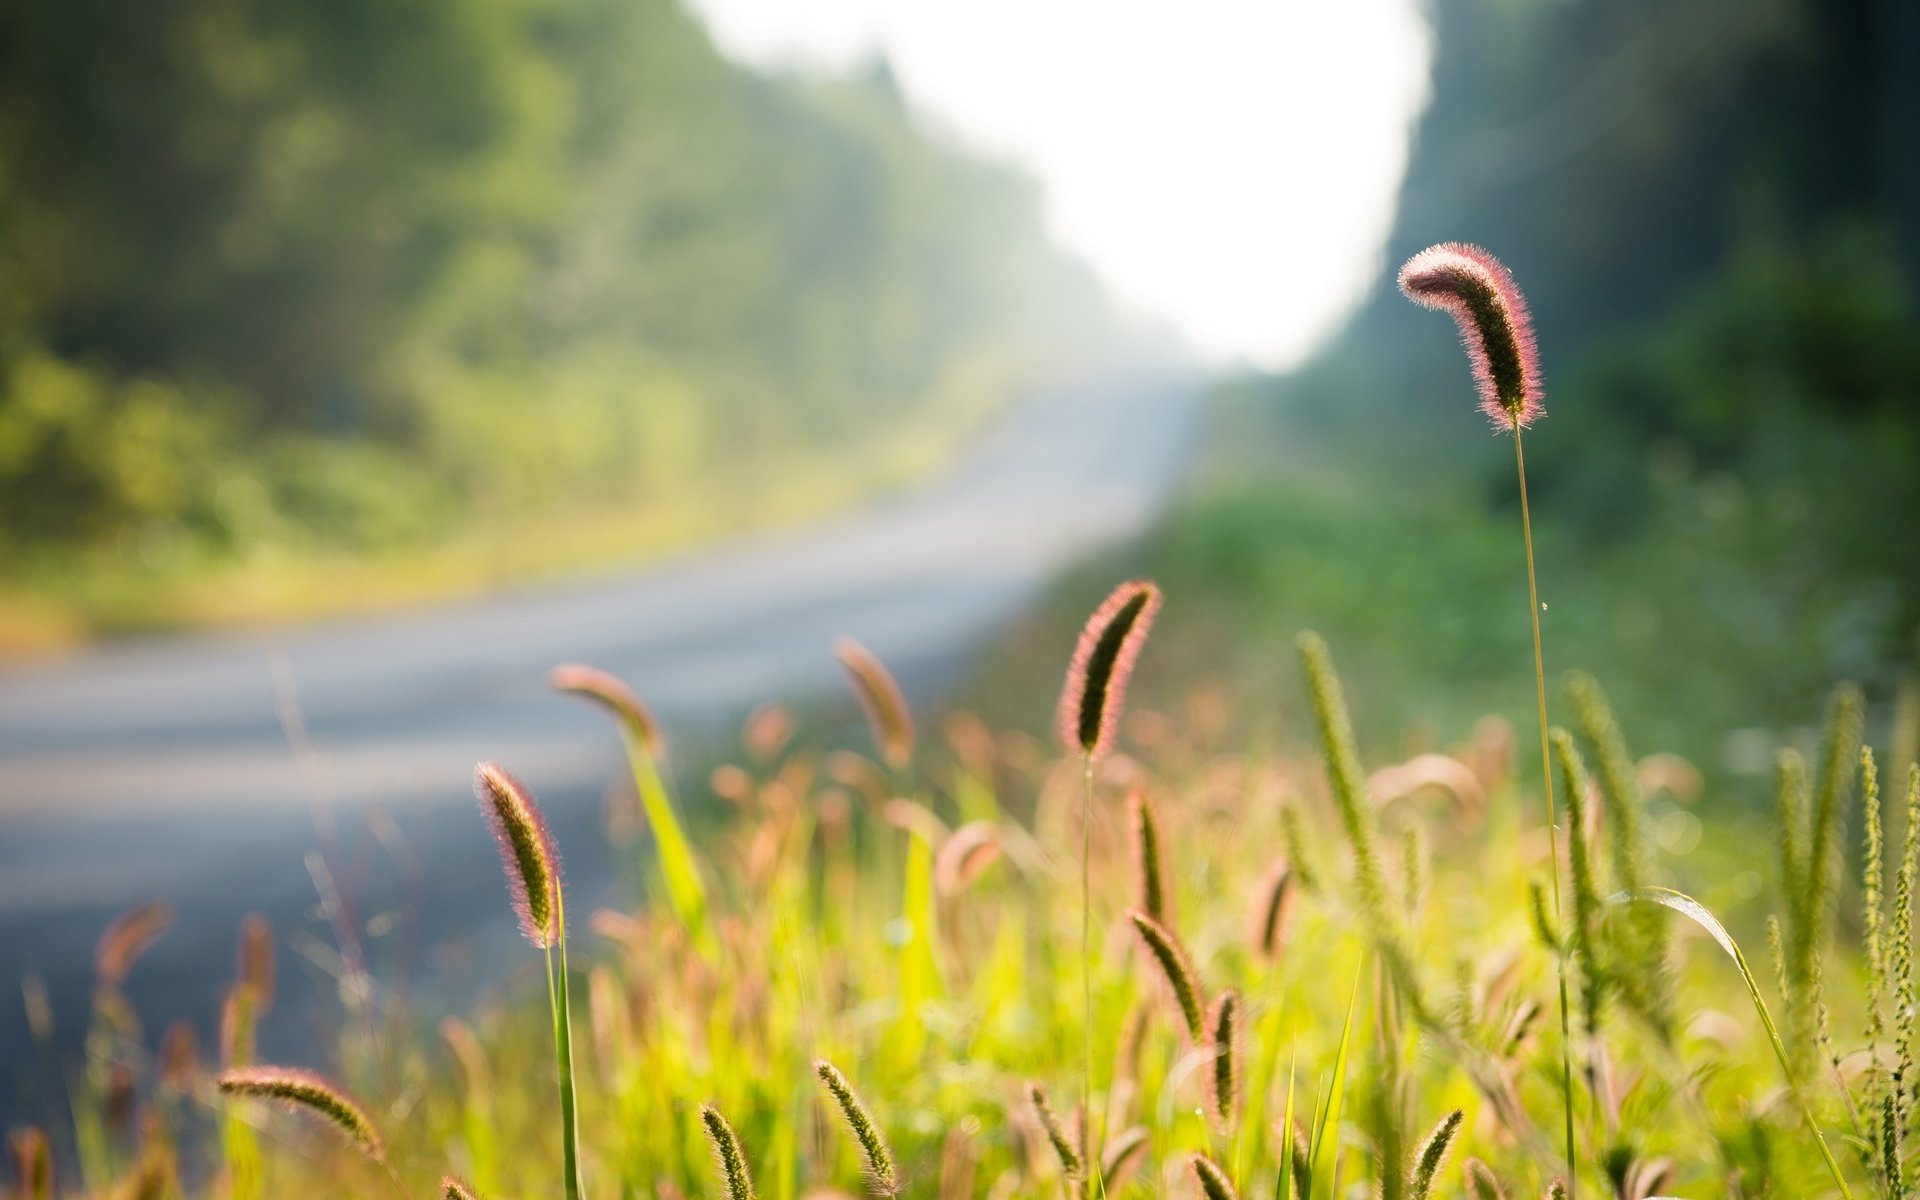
x=881, y=699
x=1473, y=288
x=1181, y=980
x=1223, y=1026
x=1102, y=662
x=1432, y=1154
x=306, y=1090
x=882, y=1177
x=1214, y=1184
x=451, y=1188
x=611, y=693
x=124, y=941
x=1071, y=1164
x=526, y=850
x=727, y=1154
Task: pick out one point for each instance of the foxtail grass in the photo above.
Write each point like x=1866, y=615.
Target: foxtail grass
x=1432, y=1154
x=727, y=1154
x=533, y=881
x=1357, y=818
x=451, y=1188
x=1223, y=1078
x=1214, y=1184
x=308, y=1092
x=1183, y=984
x=1072, y=1165
x=881, y=700
x=1090, y=704
x=645, y=745
x=1496, y=329
x=883, y=1177
x=1150, y=885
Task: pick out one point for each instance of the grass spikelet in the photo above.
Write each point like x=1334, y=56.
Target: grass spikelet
x=451, y=1188
x=305, y=1090
x=526, y=849
x=881, y=699
x=1473, y=287
x=1790, y=814
x=727, y=1154
x=1432, y=1154
x=1556, y=1189
x=178, y=1059
x=32, y=1163
x=1223, y=1026
x=1150, y=888
x=1483, y=1184
x=1872, y=921
x=254, y=960
x=1839, y=752
x=882, y=1177
x=1649, y=987
x=1343, y=771
x=1901, y=966
x=1293, y=840
x=1102, y=662
x=1273, y=904
x=1214, y=1184
x=1180, y=977
x=1586, y=895
x=1126, y=1150
x=1071, y=1164
x=636, y=720
x=964, y=855
x=1541, y=919
x=127, y=938
x=1413, y=858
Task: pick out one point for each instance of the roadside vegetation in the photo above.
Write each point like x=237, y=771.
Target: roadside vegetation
x=1142, y=956
x=309, y=309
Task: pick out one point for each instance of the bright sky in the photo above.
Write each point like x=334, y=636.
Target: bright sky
x=1229, y=165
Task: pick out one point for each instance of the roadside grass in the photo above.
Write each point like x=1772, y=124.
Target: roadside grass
x=921, y=931
x=1215, y=943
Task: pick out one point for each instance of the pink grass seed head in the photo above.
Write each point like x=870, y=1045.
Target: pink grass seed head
x=1478, y=292
x=1103, y=661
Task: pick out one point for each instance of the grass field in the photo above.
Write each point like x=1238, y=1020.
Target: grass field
x=1174, y=947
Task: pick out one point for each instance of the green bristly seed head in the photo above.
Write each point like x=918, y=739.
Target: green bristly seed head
x=1214, y=1184
x=882, y=1177
x=1432, y=1155
x=1181, y=981
x=1071, y=1164
x=305, y=1090
x=727, y=1154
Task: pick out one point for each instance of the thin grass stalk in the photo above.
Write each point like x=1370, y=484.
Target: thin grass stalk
x=1553, y=817
x=561, y=1009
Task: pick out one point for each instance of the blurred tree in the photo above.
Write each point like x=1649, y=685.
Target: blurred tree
x=358, y=270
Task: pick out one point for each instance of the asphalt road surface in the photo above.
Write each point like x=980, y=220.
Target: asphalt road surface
x=164, y=769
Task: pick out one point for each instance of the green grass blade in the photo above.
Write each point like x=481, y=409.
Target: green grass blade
x=679, y=869
x=563, y=1060
x=1284, y=1189
x=1328, y=1126
x=1698, y=913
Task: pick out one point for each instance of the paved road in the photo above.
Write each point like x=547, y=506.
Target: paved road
x=163, y=769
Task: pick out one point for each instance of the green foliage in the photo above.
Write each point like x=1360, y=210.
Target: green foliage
x=287, y=281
